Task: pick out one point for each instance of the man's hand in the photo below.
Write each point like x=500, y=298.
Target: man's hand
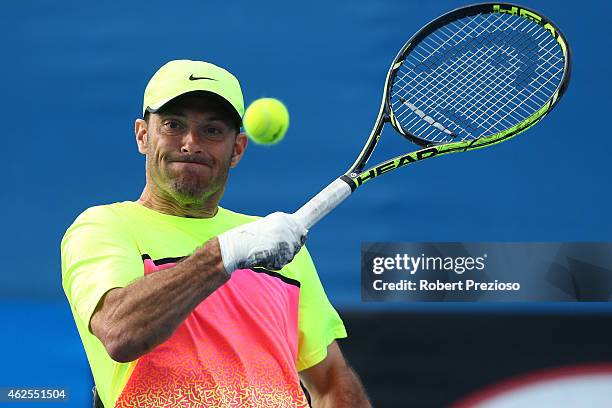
x=270, y=242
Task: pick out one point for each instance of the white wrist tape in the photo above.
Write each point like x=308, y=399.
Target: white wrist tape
x=270, y=242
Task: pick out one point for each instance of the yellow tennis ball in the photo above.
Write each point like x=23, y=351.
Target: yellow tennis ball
x=266, y=121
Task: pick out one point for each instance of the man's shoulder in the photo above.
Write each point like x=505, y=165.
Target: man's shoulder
x=93, y=222
x=105, y=216
x=101, y=211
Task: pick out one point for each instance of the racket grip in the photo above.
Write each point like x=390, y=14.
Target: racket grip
x=321, y=204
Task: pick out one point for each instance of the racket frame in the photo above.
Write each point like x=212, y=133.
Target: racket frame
x=355, y=176
x=337, y=191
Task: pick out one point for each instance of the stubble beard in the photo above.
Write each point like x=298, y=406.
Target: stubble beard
x=190, y=189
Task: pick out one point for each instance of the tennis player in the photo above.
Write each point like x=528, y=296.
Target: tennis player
x=182, y=303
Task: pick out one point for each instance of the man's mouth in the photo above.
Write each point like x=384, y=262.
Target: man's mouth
x=194, y=163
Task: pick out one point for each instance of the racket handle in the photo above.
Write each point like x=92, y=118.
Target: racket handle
x=321, y=204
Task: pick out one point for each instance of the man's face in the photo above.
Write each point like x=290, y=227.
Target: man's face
x=190, y=146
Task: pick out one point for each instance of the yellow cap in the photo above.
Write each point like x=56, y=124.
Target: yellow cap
x=178, y=77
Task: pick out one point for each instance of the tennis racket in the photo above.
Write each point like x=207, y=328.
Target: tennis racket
x=472, y=78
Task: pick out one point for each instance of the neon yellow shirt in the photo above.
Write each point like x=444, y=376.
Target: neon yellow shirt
x=241, y=347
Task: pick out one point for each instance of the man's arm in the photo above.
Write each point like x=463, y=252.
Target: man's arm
x=333, y=384
x=131, y=321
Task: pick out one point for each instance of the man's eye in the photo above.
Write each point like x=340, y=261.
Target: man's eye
x=171, y=125
x=214, y=133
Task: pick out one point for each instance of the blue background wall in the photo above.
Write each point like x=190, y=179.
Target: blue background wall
x=73, y=77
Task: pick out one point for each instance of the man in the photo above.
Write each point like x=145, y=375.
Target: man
x=182, y=303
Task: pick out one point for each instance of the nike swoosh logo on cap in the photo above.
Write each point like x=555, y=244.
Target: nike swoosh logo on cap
x=192, y=78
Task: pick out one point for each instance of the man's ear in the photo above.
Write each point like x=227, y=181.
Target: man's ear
x=240, y=145
x=142, y=137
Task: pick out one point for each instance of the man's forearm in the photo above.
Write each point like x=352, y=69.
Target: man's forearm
x=131, y=321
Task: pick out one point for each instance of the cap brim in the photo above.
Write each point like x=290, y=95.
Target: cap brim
x=227, y=105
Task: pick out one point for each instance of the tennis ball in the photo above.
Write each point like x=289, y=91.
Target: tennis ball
x=266, y=121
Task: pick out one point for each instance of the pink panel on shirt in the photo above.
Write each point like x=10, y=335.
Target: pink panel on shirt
x=238, y=348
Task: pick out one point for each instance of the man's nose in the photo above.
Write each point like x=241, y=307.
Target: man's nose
x=191, y=143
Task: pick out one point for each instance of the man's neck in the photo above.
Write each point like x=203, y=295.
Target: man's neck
x=168, y=205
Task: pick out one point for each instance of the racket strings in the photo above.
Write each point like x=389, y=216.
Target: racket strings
x=454, y=51
x=528, y=107
x=528, y=101
x=450, y=91
x=494, y=50
x=477, y=103
x=479, y=48
x=444, y=82
x=476, y=76
x=489, y=92
x=430, y=64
